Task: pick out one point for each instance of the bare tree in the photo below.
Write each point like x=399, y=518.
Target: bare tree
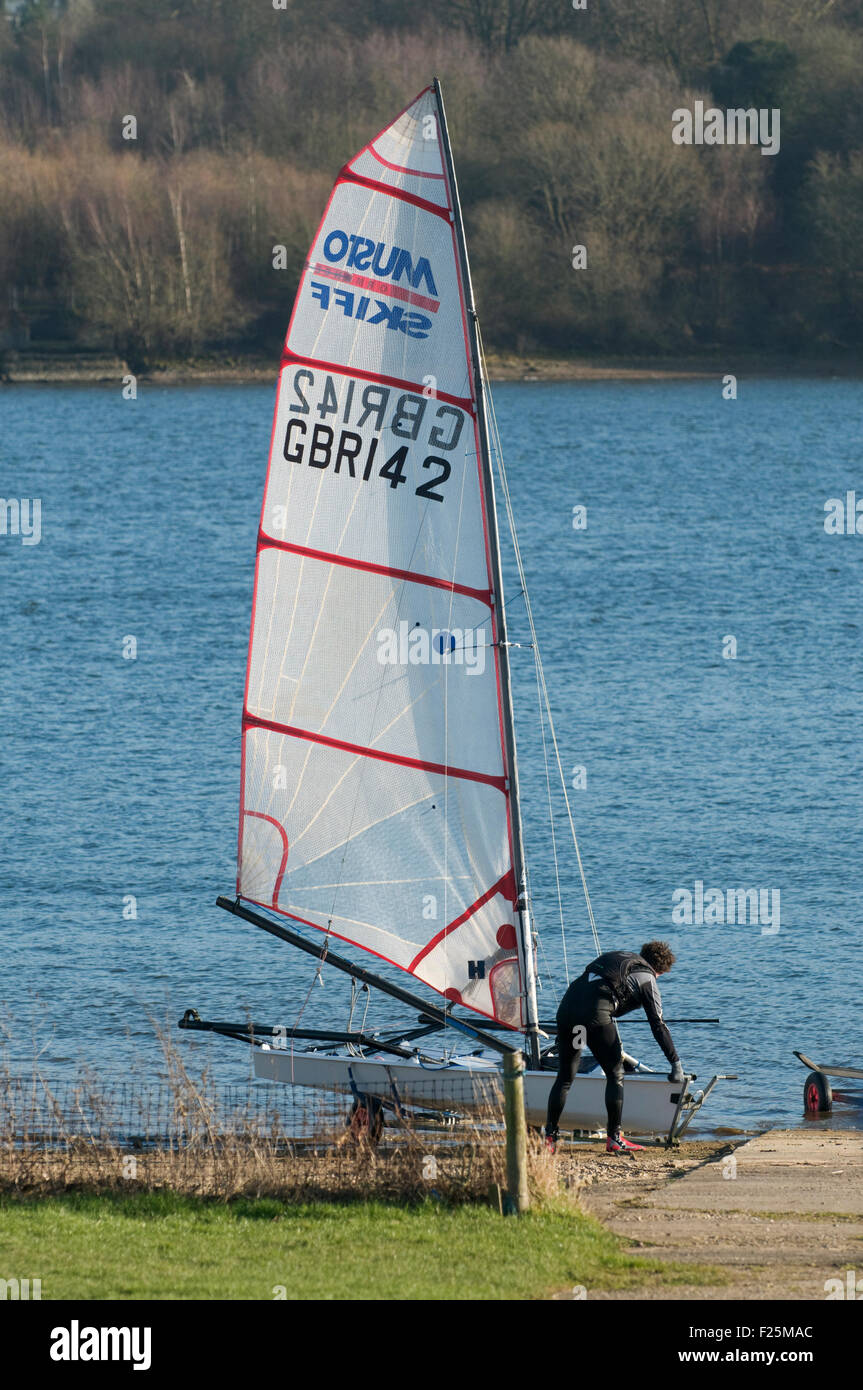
x=499, y=23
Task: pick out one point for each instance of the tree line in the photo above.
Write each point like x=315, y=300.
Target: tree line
x=561, y=121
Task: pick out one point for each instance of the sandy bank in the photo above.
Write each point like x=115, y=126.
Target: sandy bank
x=18, y=368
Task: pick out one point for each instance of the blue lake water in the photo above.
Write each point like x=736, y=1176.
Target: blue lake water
x=705, y=521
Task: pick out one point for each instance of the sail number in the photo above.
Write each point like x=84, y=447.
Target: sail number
x=330, y=442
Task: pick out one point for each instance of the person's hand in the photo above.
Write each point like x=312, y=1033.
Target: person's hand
x=676, y=1073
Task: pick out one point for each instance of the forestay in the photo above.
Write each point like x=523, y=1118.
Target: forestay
x=375, y=789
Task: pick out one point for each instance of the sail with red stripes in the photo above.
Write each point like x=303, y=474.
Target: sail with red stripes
x=376, y=799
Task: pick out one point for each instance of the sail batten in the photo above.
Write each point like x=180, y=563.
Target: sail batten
x=376, y=786
x=465, y=403
x=254, y=721
x=437, y=581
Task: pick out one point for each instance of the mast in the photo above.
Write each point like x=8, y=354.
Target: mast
x=519, y=870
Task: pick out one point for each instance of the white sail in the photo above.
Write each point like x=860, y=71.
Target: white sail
x=375, y=791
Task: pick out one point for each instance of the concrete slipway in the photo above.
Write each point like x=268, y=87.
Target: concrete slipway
x=778, y=1215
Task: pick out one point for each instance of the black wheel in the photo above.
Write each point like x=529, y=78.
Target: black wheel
x=366, y=1120
x=817, y=1095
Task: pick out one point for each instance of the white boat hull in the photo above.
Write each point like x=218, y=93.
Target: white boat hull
x=651, y=1104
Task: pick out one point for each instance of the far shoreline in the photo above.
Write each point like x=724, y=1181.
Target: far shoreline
x=92, y=368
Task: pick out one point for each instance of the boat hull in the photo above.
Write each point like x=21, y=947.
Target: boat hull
x=651, y=1104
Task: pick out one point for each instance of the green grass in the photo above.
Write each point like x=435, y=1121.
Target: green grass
x=165, y=1246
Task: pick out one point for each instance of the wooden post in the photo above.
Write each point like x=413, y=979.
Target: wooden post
x=517, y=1195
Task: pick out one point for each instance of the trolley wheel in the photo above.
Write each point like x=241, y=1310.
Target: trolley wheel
x=366, y=1120
x=817, y=1095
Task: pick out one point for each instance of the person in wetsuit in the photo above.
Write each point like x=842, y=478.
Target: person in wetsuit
x=613, y=984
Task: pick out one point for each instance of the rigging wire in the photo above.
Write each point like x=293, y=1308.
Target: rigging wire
x=366, y=1009
x=349, y=1045
x=537, y=655
x=552, y=827
x=318, y=975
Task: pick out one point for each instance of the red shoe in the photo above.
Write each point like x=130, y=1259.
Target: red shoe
x=617, y=1144
x=551, y=1142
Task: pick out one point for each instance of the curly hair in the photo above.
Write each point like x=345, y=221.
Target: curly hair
x=659, y=956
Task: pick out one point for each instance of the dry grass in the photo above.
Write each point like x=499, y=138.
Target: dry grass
x=88, y=1138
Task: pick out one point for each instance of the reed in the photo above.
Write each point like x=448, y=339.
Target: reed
x=188, y=1136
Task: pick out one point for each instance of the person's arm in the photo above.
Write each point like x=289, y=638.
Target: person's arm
x=653, y=1008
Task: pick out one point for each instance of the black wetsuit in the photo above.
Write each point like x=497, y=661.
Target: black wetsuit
x=592, y=1004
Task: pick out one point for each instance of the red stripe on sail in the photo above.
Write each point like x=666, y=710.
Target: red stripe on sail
x=347, y=175
x=242, y=817
x=464, y=403
x=397, y=168
x=266, y=542
x=348, y=277
x=252, y=721
x=505, y=885
x=261, y=815
x=395, y=120
x=328, y=931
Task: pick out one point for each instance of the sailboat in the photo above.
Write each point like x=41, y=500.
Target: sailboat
x=380, y=797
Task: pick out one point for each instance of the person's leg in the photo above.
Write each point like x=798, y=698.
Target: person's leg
x=604, y=1042
x=568, y=1058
